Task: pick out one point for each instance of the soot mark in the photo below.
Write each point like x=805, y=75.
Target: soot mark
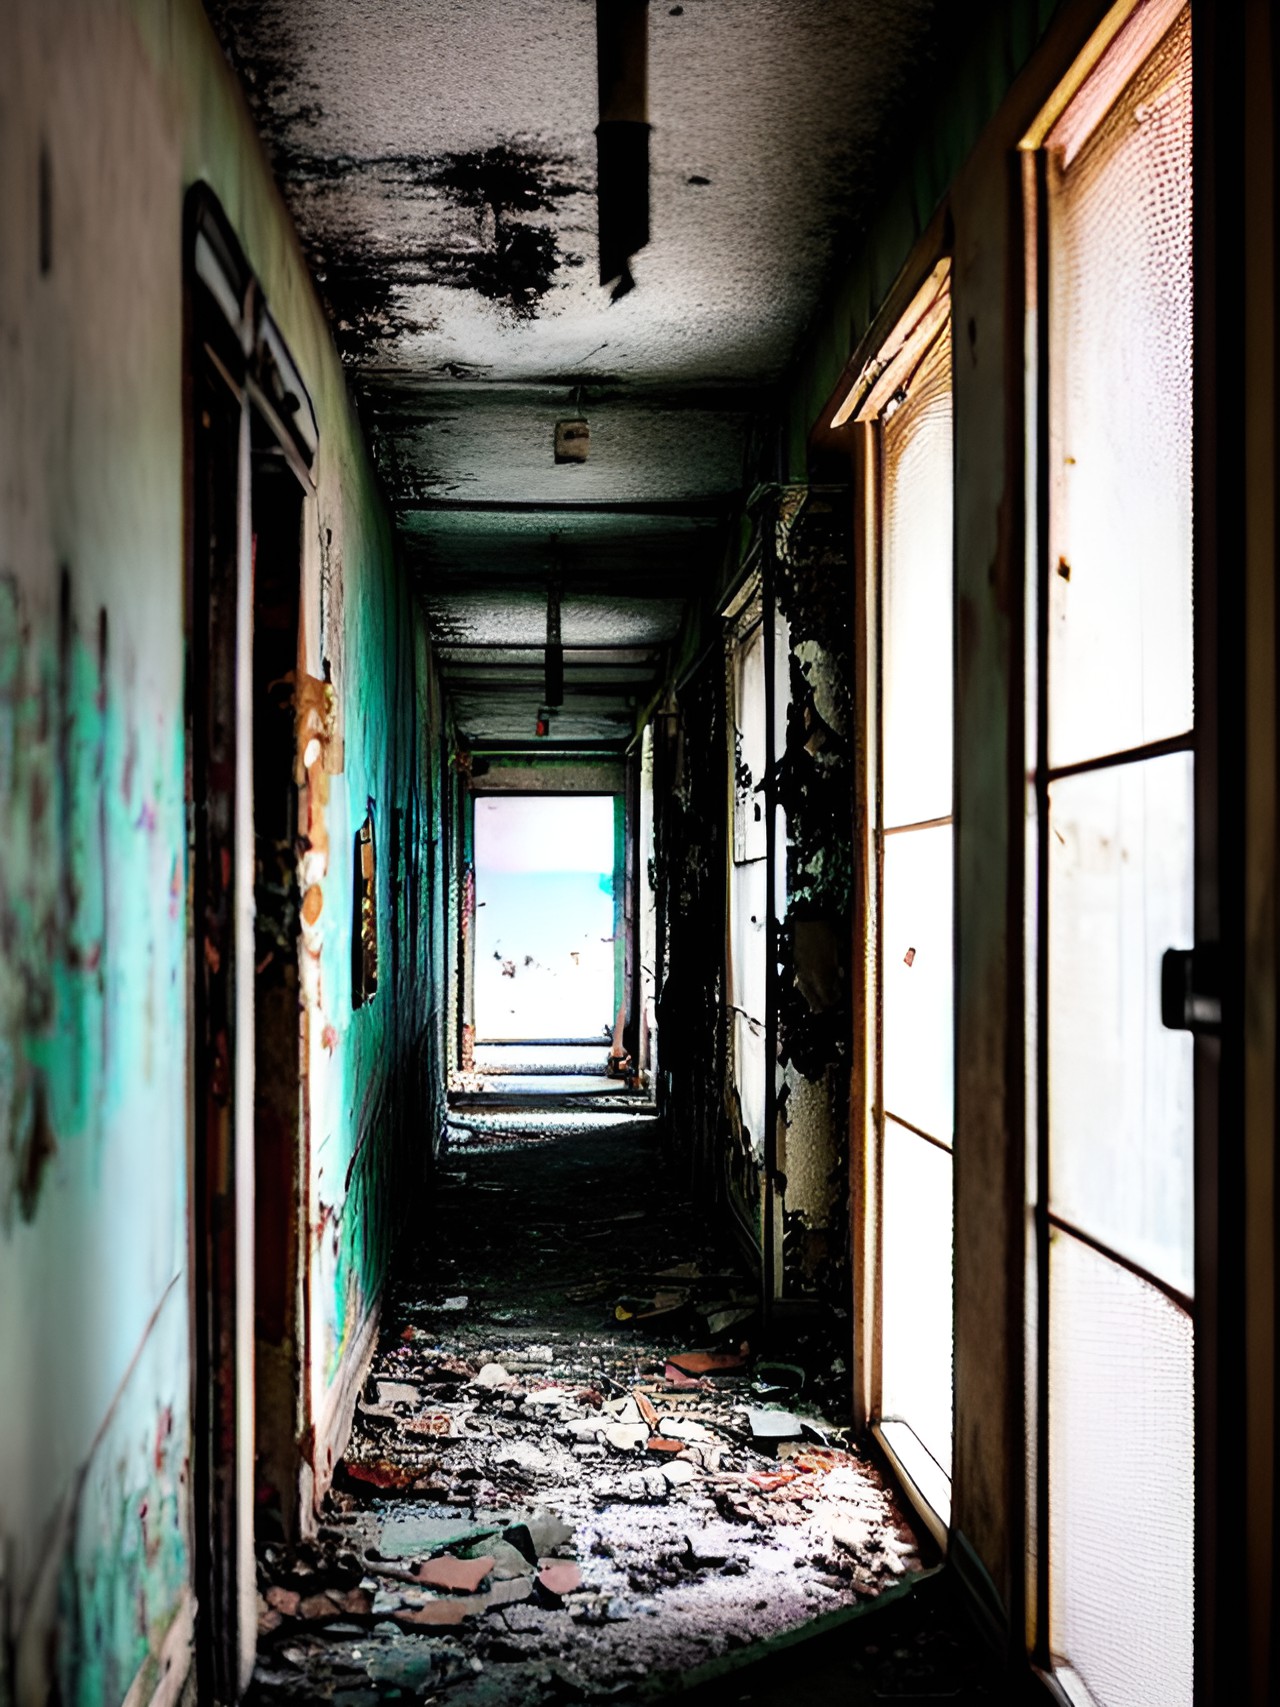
x=492, y=242
x=489, y=230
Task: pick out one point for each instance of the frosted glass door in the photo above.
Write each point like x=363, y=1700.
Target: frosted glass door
x=916, y=972
x=1117, y=821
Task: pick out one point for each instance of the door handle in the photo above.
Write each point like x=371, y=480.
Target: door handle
x=1191, y=990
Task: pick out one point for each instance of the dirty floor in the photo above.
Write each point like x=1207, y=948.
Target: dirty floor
x=574, y=1474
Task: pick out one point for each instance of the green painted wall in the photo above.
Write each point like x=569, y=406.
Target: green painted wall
x=116, y=107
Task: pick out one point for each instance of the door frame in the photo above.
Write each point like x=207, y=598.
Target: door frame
x=235, y=357
x=1214, y=1308
x=624, y=907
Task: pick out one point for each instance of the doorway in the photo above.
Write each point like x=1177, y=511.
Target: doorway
x=250, y=477
x=550, y=939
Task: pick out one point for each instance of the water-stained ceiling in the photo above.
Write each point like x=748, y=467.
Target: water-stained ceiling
x=439, y=159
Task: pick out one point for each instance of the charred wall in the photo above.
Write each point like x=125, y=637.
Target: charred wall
x=801, y=547
x=811, y=540
x=690, y=782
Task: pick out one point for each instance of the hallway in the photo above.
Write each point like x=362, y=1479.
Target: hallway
x=640, y=760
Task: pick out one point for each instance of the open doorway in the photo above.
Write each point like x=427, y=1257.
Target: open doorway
x=250, y=477
x=550, y=949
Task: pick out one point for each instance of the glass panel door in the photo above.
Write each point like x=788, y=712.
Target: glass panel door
x=915, y=980
x=1115, y=786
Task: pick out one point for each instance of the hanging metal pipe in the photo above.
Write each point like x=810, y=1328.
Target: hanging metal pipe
x=622, y=137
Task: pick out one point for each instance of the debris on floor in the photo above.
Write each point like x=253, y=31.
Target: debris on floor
x=585, y=1484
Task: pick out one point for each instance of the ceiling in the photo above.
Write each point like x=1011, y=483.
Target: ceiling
x=438, y=157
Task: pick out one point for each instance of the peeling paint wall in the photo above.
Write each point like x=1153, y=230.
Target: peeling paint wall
x=956, y=195
x=109, y=110
x=806, y=536
x=690, y=790
x=811, y=539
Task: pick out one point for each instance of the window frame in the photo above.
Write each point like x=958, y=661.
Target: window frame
x=906, y=337
x=1073, y=115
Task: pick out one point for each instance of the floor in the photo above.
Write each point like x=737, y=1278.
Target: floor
x=575, y=1475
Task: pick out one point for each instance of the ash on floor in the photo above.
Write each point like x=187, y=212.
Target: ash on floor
x=571, y=1473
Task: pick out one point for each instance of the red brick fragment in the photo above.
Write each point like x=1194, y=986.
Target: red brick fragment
x=380, y=1474
x=461, y=1576
x=560, y=1577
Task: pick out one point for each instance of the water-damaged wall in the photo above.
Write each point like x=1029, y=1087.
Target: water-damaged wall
x=811, y=541
x=690, y=783
x=801, y=546
x=109, y=111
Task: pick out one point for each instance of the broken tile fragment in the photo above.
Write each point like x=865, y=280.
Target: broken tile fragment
x=644, y=1405
x=686, y=1429
x=627, y=1437
x=624, y=1410
x=508, y=1561
x=414, y=1534
x=559, y=1577
x=462, y=1576
x=583, y=1429
x=336, y=1603
x=397, y=1392
x=538, y=1535
x=773, y=1425
x=438, y=1423
x=706, y=1362
x=770, y=1481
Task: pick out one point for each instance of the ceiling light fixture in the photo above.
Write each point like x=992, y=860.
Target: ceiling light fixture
x=573, y=440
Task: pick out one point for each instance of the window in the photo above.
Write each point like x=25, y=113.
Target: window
x=904, y=399
x=1114, y=775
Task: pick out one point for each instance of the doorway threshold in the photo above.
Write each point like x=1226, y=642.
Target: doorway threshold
x=548, y=1100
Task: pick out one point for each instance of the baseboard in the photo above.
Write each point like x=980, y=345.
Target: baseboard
x=163, y=1677
x=333, y=1425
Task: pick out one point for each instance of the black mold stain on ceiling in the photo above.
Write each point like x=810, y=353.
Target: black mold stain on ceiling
x=497, y=246
x=438, y=158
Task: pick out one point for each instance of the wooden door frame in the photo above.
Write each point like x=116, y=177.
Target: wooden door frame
x=235, y=361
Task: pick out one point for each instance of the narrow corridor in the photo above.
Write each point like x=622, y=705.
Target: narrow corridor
x=640, y=916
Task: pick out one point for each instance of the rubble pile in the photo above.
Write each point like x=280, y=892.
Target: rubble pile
x=568, y=1507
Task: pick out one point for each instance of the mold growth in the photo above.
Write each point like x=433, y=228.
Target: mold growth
x=488, y=230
